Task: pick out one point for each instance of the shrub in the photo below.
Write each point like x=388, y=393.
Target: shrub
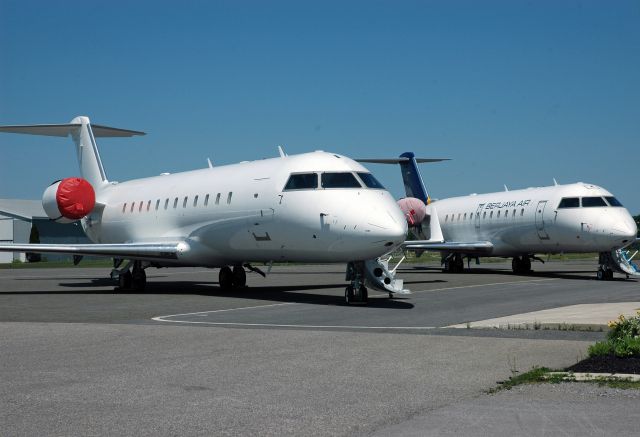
x=623, y=340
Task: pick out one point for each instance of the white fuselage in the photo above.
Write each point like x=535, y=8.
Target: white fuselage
x=532, y=221
x=239, y=213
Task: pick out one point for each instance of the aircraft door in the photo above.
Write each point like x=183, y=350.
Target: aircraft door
x=477, y=217
x=542, y=233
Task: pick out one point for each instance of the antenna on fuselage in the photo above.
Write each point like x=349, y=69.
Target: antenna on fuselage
x=555, y=182
x=209, y=162
x=505, y=187
x=282, y=152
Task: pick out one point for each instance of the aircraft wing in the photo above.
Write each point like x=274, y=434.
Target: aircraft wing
x=479, y=247
x=136, y=251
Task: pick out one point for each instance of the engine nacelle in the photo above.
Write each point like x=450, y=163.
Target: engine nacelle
x=414, y=210
x=68, y=200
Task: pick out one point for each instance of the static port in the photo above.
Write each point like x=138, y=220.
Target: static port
x=377, y=272
x=387, y=281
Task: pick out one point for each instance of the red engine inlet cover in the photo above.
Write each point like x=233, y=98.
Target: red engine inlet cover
x=75, y=198
x=413, y=209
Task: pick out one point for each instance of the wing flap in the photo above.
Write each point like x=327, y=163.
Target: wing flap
x=480, y=247
x=142, y=251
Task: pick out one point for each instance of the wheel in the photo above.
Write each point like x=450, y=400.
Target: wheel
x=526, y=264
x=348, y=294
x=239, y=277
x=125, y=279
x=390, y=295
x=609, y=275
x=600, y=274
x=225, y=278
x=516, y=264
x=139, y=279
x=364, y=294
x=458, y=264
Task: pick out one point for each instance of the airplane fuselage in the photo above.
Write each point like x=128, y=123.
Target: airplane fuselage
x=534, y=220
x=243, y=212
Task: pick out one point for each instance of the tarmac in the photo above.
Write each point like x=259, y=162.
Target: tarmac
x=286, y=357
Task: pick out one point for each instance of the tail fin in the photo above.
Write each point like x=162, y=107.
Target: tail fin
x=83, y=135
x=413, y=183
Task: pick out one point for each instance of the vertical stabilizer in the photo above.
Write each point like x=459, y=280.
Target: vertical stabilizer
x=413, y=183
x=89, y=161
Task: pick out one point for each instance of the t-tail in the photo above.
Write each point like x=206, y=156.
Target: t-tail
x=84, y=136
x=413, y=182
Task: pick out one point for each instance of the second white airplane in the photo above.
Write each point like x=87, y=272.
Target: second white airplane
x=313, y=207
x=572, y=218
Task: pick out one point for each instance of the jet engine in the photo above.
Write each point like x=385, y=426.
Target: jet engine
x=68, y=200
x=414, y=210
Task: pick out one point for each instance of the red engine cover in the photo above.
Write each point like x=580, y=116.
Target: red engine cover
x=75, y=198
x=413, y=209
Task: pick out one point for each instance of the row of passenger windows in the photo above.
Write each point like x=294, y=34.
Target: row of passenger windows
x=142, y=205
x=311, y=181
x=588, y=202
x=462, y=217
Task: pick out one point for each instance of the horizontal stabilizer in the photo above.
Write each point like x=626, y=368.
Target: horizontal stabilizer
x=400, y=160
x=63, y=130
x=142, y=251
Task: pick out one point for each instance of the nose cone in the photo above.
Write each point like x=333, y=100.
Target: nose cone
x=388, y=226
x=624, y=230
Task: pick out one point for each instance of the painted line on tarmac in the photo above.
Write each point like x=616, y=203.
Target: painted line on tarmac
x=485, y=285
x=275, y=325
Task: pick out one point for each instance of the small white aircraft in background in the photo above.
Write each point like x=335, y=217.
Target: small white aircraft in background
x=313, y=207
x=573, y=218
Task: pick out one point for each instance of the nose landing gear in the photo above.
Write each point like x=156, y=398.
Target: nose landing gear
x=229, y=279
x=131, y=277
x=356, y=292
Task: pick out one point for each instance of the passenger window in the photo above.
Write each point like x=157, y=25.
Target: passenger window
x=613, y=201
x=446, y=218
x=195, y=201
x=521, y=212
x=498, y=214
x=124, y=207
x=591, y=202
x=465, y=216
x=133, y=205
x=371, y=182
x=458, y=216
x=184, y=202
x=166, y=203
x=157, y=204
x=140, y=207
x=569, y=202
x=484, y=215
x=491, y=214
x=514, y=213
x=218, y=199
x=339, y=180
x=206, y=200
x=302, y=181
x=229, y=197
x=148, y=205
x=175, y=203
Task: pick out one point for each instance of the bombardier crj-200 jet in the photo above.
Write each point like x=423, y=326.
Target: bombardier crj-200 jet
x=314, y=207
x=572, y=218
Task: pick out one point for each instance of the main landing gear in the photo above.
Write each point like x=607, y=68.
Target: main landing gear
x=356, y=292
x=131, y=277
x=453, y=264
x=521, y=265
x=229, y=279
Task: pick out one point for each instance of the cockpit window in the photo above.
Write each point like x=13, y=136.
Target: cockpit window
x=370, y=181
x=569, y=202
x=613, y=201
x=302, y=181
x=590, y=202
x=339, y=180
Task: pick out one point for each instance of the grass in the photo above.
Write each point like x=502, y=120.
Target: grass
x=541, y=375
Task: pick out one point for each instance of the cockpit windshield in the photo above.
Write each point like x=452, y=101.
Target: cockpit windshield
x=370, y=181
x=613, y=201
x=591, y=202
x=302, y=181
x=570, y=202
x=339, y=180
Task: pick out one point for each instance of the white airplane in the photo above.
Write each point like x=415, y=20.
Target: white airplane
x=313, y=207
x=573, y=218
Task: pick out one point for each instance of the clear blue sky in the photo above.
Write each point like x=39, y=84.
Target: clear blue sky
x=514, y=92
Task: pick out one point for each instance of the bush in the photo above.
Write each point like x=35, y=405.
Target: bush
x=623, y=340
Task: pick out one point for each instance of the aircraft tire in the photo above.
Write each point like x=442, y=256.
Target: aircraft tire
x=225, y=278
x=239, y=277
x=516, y=265
x=139, y=280
x=348, y=295
x=364, y=294
x=600, y=274
x=125, y=280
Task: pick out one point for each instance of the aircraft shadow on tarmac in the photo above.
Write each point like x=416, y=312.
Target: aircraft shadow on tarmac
x=580, y=275
x=285, y=294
